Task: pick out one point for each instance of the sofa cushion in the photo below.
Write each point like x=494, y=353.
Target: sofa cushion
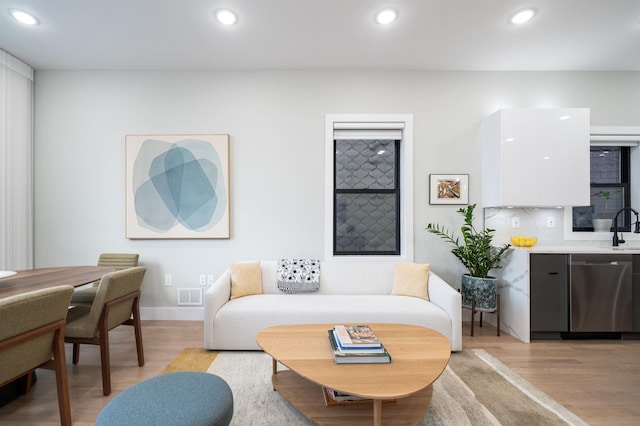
x=265, y=310
x=246, y=279
x=411, y=279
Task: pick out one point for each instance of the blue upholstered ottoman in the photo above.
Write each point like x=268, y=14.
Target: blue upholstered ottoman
x=187, y=398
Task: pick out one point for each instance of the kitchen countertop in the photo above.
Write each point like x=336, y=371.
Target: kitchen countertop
x=592, y=248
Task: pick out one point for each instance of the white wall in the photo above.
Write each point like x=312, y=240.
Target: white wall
x=276, y=123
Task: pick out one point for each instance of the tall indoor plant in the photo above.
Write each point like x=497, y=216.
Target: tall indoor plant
x=478, y=255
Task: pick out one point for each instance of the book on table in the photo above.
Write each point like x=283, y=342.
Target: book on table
x=356, y=356
x=357, y=336
x=334, y=397
x=356, y=349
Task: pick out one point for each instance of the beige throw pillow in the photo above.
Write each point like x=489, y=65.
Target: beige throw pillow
x=246, y=279
x=411, y=279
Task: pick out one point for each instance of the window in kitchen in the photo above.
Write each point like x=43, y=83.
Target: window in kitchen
x=610, y=189
x=368, y=175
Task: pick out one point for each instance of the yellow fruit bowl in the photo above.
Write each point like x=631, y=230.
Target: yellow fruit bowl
x=522, y=241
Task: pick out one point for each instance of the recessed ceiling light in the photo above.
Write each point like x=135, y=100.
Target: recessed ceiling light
x=225, y=16
x=23, y=17
x=386, y=16
x=522, y=16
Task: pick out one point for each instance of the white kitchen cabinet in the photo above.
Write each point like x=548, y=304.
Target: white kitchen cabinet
x=536, y=157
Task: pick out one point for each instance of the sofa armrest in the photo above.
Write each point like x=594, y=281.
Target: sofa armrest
x=216, y=296
x=446, y=297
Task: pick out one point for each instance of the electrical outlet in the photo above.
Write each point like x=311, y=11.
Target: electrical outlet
x=551, y=222
x=515, y=222
x=210, y=279
x=168, y=280
x=203, y=280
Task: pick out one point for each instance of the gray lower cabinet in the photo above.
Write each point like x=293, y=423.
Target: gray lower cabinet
x=549, y=292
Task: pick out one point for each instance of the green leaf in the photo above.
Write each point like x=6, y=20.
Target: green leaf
x=476, y=251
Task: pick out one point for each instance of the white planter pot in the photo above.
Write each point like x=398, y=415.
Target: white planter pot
x=602, y=225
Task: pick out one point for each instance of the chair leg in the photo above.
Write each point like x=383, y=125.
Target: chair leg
x=62, y=381
x=480, y=318
x=76, y=353
x=25, y=383
x=104, y=359
x=137, y=327
x=473, y=312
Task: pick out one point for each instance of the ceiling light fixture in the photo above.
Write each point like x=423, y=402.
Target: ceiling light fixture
x=23, y=17
x=522, y=17
x=386, y=16
x=225, y=16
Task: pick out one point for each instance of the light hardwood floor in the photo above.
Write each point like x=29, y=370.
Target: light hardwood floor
x=597, y=380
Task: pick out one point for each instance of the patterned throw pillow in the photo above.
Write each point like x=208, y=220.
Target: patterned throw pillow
x=298, y=275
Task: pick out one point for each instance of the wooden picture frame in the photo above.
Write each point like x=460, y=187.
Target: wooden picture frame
x=449, y=189
x=177, y=186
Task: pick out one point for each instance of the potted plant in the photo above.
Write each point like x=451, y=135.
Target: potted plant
x=478, y=255
x=602, y=221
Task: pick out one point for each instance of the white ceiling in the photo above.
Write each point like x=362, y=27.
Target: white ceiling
x=324, y=35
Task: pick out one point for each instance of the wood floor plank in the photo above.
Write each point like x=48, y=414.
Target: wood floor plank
x=597, y=380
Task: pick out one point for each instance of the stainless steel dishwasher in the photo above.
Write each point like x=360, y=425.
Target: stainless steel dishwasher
x=600, y=289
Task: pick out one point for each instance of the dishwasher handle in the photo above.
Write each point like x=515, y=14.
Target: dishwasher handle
x=600, y=262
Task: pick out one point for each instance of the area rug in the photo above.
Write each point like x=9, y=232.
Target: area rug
x=191, y=359
x=475, y=389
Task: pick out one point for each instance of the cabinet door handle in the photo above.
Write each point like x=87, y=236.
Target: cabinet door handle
x=553, y=273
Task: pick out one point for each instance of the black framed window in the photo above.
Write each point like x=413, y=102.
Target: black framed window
x=366, y=197
x=610, y=189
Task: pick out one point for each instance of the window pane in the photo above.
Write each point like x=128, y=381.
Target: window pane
x=605, y=164
x=365, y=164
x=366, y=223
x=610, y=188
x=607, y=201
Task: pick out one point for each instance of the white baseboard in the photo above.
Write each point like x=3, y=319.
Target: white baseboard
x=169, y=313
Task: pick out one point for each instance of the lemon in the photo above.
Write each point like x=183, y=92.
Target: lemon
x=522, y=241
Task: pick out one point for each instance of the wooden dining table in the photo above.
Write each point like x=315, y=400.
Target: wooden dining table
x=35, y=279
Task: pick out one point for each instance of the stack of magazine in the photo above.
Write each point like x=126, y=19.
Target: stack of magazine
x=357, y=344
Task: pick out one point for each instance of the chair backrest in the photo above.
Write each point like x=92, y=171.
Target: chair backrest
x=118, y=260
x=22, y=350
x=112, y=286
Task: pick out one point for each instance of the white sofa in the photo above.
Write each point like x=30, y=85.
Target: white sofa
x=350, y=292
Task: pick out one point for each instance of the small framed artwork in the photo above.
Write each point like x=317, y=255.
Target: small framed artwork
x=448, y=189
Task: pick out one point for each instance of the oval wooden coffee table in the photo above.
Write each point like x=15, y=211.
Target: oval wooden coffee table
x=418, y=356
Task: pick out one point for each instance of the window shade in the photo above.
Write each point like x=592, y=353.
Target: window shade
x=615, y=136
x=354, y=130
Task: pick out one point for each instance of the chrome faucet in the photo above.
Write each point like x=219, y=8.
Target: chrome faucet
x=617, y=240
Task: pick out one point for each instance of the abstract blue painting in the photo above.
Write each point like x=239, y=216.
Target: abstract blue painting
x=177, y=186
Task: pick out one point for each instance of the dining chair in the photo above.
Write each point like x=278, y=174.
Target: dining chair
x=31, y=332
x=117, y=302
x=86, y=294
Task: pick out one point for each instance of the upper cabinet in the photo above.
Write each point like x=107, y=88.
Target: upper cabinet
x=536, y=157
